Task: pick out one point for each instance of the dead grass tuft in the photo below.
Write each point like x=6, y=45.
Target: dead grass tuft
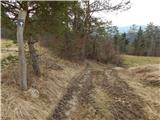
x=43, y=93
x=145, y=82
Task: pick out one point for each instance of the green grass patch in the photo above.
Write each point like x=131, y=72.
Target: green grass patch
x=9, y=59
x=7, y=43
x=131, y=60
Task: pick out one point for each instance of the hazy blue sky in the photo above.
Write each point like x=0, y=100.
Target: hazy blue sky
x=141, y=13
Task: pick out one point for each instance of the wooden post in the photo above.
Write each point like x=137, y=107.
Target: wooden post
x=22, y=60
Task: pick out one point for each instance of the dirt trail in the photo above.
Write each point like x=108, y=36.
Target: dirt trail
x=99, y=95
x=126, y=105
x=76, y=93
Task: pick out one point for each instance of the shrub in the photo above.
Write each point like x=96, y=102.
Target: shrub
x=108, y=54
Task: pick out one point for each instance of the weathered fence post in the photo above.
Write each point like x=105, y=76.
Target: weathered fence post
x=22, y=60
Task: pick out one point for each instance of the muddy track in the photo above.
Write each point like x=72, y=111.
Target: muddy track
x=76, y=93
x=124, y=105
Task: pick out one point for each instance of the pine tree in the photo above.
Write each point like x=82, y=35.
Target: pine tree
x=152, y=40
x=123, y=42
x=139, y=50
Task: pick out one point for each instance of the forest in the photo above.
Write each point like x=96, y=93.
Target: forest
x=59, y=61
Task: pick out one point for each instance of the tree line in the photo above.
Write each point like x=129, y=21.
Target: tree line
x=65, y=26
x=139, y=41
x=71, y=31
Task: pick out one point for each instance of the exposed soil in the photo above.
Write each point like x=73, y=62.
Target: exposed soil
x=126, y=105
x=76, y=93
x=99, y=92
x=99, y=95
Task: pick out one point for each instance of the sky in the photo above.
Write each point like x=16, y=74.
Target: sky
x=141, y=12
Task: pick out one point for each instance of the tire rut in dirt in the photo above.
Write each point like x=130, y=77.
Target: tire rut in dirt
x=76, y=93
x=125, y=105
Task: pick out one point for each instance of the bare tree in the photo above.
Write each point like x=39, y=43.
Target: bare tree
x=98, y=6
x=13, y=9
x=22, y=60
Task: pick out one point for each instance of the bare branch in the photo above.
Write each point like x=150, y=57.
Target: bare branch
x=10, y=5
x=107, y=5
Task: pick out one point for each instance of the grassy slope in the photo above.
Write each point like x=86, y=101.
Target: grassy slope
x=5, y=43
x=129, y=60
x=144, y=80
x=8, y=47
x=140, y=60
x=18, y=105
x=52, y=86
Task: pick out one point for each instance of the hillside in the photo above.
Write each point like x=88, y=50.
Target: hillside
x=83, y=91
x=125, y=29
x=70, y=60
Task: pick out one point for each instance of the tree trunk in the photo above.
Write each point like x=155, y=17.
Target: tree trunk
x=33, y=56
x=22, y=60
x=86, y=31
x=94, y=53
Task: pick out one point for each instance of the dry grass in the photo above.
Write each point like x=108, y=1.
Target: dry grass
x=102, y=102
x=131, y=60
x=136, y=78
x=8, y=47
x=22, y=105
x=5, y=43
x=51, y=86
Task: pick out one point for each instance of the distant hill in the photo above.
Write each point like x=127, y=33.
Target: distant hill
x=126, y=28
x=130, y=37
x=123, y=29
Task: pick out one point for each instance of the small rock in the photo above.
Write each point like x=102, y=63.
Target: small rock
x=32, y=92
x=118, y=68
